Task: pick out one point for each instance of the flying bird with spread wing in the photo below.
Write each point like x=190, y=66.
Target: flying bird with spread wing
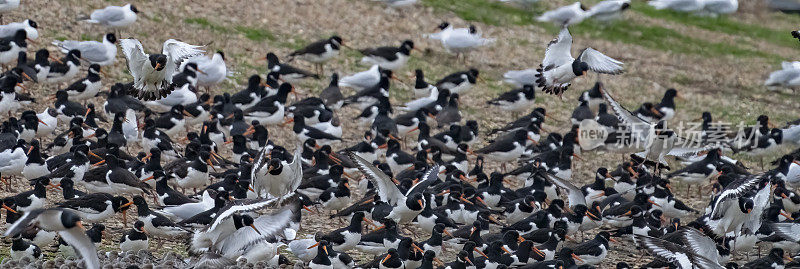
x=152, y=73
x=559, y=68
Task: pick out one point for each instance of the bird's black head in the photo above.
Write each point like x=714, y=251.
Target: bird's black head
x=111, y=37
x=473, y=72
x=763, y=120
x=272, y=60
x=584, y=8
x=94, y=69
x=190, y=68
x=429, y=255
x=420, y=79
x=221, y=54
x=623, y=265
x=706, y=116
x=20, y=36
x=579, y=68
x=416, y=202
x=120, y=203
x=33, y=23
x=42, y=55
x=138, y=200
x=776, y=253
x=636, y=211
x=335, y=40
x=777, y=135
x=134, y=9
x=69, y=219
x=407, y=46
x=602, y=172
x=746, y=205
x=177, y=109
x=76, y=54
x=336, y=170
x=61, y=95
x=158, y=61
x=247, y=220
x=443, y=25
x=671, y=93
x=472, y=29
x=253, y=81
x=557, y=203
x=139, y=226
x=625, y=6
x=520, y=136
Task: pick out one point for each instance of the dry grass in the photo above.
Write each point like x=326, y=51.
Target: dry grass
x=718, y=66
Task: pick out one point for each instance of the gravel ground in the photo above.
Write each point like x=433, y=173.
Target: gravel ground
x=246, y=30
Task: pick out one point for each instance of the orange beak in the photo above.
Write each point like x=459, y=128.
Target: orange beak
x=9, y=209
x=481, y=252
x=94, y=155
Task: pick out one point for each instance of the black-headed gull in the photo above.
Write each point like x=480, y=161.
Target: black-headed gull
x=609, y=10
x=788, y=77
x=711, y=8
x=566, y=15
x=114, y=16
x=30, y=26
x=212, y=70
x=102, y=53
x=460, y=40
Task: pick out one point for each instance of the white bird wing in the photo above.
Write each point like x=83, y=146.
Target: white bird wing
x=134, y=53
x=360, y=79
x=599, y=62
x=692, y=151
x=467, y=40
x=248, y=205
x=387, y=190
x=108, y=14
x=270, y=229
x=606, y=6
x=295, y=170
x=675, y=254
x=520, y=77
x=760, y=202
x=427, y=179
x=574, y=194
x=558, y=51
x=699, y=243
x=259, y=172
x=176, y=52
x=789, y=231
x=731, y=193
x=23, y=222
x=638, y=126
x=77, y=238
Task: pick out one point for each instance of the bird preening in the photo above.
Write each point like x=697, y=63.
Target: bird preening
x=191, y=157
